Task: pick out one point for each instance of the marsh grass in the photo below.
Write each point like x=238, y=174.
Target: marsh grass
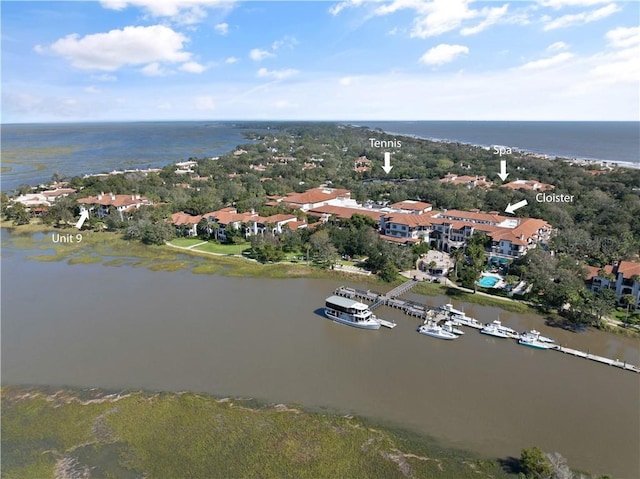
x=181, y=435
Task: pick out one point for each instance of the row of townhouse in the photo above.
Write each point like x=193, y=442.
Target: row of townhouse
x=622, y=277
x=249, y=223
x=101, y=205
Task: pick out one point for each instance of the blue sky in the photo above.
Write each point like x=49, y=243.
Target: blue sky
x=306, y=60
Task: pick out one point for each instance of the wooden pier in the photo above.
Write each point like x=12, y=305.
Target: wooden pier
x=422, y=311
x=599, y=359
x=412, y=308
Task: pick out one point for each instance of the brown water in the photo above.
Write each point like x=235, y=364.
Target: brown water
x=122, y=327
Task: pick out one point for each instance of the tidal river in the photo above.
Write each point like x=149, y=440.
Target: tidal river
x=125, y=327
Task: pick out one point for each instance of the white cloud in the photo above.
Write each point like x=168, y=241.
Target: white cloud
x=221, y=28
x=153, y=70
x=204, y=103
x=117, y=48
x=622, y=37
x=581, y=18
x=105, y=77
x=231, y=60
x=180, y=11
x=192, y=67
x=257, y=55
x=440, y=16
x=338, y=7
x=277, y=74
x=544, y=63
x=557, y=46
x=346, y=81
x=92, y=89
x=443, y=53
x=287, y=42
x=621, y=63
x=557, y=4
x=493, y=15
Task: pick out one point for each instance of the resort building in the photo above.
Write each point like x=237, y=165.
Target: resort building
x=325, y=213
x=186, y=223
x=449, y=230
x=101, y=204
x=320, y=196
x=468, y=181
x=362, y=164
x=411, y=206
x=41, y=201
x=622, y=277
x=531, y=185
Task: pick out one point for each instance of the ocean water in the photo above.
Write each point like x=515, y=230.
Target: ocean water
x=32, y=153
x=617, y=142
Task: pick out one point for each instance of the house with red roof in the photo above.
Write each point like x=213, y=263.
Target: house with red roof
x=100, y=205
x=623, y=277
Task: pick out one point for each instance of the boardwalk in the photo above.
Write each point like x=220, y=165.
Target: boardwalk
x=388, y=299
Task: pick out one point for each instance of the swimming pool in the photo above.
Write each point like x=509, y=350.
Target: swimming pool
x=488, y=281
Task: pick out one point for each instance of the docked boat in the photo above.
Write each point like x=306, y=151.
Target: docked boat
x=463, y=320
x=350, y=312
x=459, y=318
x=450, y=326
x=492, y=329
x=511, y=333
x=534, y=340
x=435, y=331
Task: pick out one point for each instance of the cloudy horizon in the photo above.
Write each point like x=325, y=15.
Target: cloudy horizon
x=142, y=60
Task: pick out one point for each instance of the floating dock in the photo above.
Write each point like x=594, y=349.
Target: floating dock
x=599, y=359
x=422, y=311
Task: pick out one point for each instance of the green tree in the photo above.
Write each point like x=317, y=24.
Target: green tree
x=19, y=214
x=535, y=464
x=322, y=246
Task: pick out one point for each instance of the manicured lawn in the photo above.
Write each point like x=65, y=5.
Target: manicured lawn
x=185, y=242
x=222, y=248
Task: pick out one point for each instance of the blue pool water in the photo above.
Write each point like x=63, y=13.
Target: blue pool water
x=488, y=281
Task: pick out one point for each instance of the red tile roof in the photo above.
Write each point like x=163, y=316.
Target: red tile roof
x=344, y=212
x=114, y=200
x=629, y=269
x=183, y=218
x=411, y=205
x=528, y=185
x=316, y=195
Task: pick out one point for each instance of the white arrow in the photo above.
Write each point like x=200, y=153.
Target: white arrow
x=503, y=170
x=511, y=208
x=83, y=216
x=387, y=162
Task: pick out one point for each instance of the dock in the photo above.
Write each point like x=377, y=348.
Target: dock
x=599, y=359
x=422, y=311
x=412, y=308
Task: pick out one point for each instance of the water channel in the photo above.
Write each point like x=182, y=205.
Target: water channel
x=125, y=327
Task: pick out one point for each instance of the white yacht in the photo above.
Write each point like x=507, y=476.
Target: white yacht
x=534, y=340
x=511, y=333
x=450, y=326
x=492, y=330
x=459, y=318
x=435, y=331
x=350, y=312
